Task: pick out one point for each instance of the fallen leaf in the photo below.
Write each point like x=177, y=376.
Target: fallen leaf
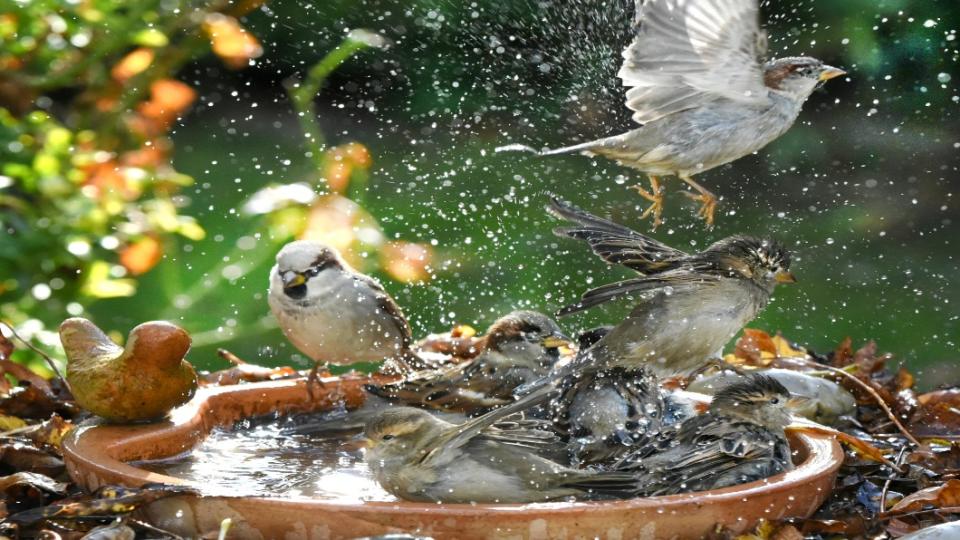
x=28, y=458
x=107, y=501
x=945, y=495
x=859, y=446
x=938, y=415
x=8, y=423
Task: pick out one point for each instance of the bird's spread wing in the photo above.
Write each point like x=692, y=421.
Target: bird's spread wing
x=676, y=278
x=689, y=52
x=614, y=243
x=460, y=435
x=464, y=387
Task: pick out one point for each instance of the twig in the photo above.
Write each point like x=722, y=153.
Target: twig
x=302, y=93
x=886, y=485
x=876, y=396
x=32, y=347
x=154, y=528
x=945, y=509
x=230, y=357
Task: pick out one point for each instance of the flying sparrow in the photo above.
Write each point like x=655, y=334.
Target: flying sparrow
x=418, y=457
x=517, y=349
x=690, y=305
x=739, y=439
x=702, y=94
x=333, y=314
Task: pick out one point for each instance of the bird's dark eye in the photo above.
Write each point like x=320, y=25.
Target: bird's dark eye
x=387, y=437
x=774, y=401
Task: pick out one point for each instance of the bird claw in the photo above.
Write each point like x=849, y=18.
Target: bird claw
x=656, y=199
x=708, y=205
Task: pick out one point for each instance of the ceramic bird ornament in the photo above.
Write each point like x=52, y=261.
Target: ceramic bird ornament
x=702, y=93
x=142, y=381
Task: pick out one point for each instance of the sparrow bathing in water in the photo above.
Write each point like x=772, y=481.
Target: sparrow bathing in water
x=701, y=93
x=418, y=457
x=688, y=305
x=335, y=315
x=739, y=439
x=517, y=349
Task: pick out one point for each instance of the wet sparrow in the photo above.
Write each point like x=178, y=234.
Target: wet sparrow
x=517, y=349
x=418, y=457
x=739, y=439
x=688, y=305
x=701, y=93
x=333, y=314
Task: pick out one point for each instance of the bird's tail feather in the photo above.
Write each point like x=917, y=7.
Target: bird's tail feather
x=583, y=147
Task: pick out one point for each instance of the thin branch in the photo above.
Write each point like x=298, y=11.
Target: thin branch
x=50, y=361
x=866, y=387
x=302, y=93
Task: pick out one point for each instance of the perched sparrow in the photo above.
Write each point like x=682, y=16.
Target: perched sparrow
x=418, y=457
x=333, y=314
x=689, y=305
x=701, y=93
x=739, y=439
x=517, y=349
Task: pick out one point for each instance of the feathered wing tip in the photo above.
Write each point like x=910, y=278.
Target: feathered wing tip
x=613, y=242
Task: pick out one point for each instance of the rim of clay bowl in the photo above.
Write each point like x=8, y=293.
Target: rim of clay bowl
x=96, y=452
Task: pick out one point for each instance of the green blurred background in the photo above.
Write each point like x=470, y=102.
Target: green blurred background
x=864, y=188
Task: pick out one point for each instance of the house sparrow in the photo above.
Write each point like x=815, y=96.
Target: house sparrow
x=333, y=314
x=690, y=305
x=517, y=349
x=701, y=93
x=739, y=439
x=418, y=457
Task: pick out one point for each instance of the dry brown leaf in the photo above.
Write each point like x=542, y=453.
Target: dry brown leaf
x=859, y=446
x=945, y=495
x=938, y=415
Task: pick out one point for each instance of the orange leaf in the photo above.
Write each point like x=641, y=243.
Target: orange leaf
x=142, y=255
x=859, y=446
x=944, y=495
x=230, y=41
x=168, y=99
x=132, y=64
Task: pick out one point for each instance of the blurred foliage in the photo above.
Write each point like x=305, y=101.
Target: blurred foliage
x=89, y=197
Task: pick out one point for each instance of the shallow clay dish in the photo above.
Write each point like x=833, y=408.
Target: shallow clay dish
x=95, y=455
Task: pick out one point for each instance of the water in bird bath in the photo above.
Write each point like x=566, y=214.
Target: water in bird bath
x=266, y=457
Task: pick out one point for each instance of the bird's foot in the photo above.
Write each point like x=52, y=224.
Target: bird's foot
x=708, y=205
x=655, y=196
x=315, y=379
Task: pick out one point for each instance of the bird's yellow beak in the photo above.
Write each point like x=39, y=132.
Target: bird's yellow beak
x=785, y=277
x=555, y=341
x=292, y=279
x=830, y=72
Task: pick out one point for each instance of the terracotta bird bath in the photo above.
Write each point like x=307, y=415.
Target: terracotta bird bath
x=98, y=454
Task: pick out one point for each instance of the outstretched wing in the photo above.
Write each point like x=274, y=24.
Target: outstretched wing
x=614, y=243
x=690, y=52
x=675, y=278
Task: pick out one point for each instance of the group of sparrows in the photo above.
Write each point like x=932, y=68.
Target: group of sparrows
x=539, y=425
